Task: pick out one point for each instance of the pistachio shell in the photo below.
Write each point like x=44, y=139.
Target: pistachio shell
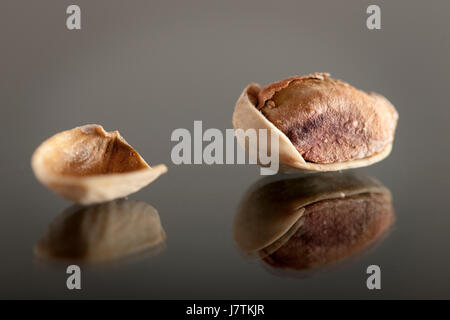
x=102, y=232
x=375, y=113
x=89, y=165
x=271, y=212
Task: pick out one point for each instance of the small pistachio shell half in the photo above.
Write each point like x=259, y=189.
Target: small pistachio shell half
x=377, y=114
x=102, y=232
x=89, y=165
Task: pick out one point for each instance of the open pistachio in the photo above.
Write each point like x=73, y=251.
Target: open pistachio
x=102, y=232
x=89, y=165
x=310, y=221
x=322, y=124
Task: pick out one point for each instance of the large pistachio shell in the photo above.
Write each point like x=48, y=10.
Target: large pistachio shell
x=102, y=232
x=271, y=212
x=89, y=165
x=377, y=121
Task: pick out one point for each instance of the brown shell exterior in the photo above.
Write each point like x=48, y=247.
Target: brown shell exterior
x=327, y=120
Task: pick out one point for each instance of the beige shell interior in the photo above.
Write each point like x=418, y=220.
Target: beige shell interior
x=270, y=212
x=102, y=232
x=89, y=165
x=247, y=116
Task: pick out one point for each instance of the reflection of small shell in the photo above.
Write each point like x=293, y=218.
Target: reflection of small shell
x=247, y=116
x=102, y=232
x=89, y=165
x=275, y=217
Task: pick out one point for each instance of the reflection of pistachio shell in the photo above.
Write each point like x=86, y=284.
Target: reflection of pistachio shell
x=102, y=232
x=89, y=165
x=333, y=230
x=269, y=210
x=325, y=105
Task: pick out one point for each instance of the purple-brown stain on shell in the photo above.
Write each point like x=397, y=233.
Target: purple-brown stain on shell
x=328, y=120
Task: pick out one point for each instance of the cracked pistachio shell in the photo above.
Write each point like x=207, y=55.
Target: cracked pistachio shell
x=89, y=165
x=322, y=124
x=102, y=232
x=271, y=212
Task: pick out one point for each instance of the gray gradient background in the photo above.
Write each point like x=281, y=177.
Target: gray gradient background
x=147, y=67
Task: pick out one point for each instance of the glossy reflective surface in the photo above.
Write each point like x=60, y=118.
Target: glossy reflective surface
x=147, y=68
x=308, y=222
x=101, y=232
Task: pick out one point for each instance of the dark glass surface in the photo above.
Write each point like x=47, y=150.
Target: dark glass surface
x=147, y=68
